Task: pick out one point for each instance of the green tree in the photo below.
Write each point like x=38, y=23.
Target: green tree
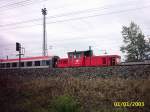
x=135, y=45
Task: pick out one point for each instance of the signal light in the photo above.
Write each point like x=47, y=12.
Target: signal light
x=18, y=46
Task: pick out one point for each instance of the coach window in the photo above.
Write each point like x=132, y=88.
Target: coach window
x=14, y=64
x=29, y=63
x=37, y=63
x=3, y=65
x=104, y=60
x=22, y=64
x=47, y=62
x=7, y=65
x=43, y=62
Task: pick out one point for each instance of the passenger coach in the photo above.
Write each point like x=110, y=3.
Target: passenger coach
x=31, y=62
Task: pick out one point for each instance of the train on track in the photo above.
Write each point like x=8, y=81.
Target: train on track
x=74, y=59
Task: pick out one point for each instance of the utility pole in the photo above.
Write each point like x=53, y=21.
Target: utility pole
x=44, y=12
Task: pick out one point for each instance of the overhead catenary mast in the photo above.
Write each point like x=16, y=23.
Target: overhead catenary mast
x=44, y=52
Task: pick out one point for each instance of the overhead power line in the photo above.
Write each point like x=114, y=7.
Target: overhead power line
x=71, y=19
x=21, y=22
x=23, y=3
x=55, y=16
x=20, y=3
x=29, y=2
x=77, y=12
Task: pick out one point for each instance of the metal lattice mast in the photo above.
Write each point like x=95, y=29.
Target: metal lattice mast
x=44, y=12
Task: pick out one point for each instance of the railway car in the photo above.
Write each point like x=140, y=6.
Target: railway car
x=143, y=62
x=87, y=59
x=74, y=59
x=30, y=62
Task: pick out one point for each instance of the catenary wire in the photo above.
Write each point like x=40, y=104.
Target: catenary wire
x=102, y=8
x=85, y=17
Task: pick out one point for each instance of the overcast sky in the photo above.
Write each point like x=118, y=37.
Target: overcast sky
x=71, y=24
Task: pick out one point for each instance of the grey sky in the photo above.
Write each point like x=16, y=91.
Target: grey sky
x=71, y=24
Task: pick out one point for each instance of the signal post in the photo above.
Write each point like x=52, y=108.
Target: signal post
x=18, y=48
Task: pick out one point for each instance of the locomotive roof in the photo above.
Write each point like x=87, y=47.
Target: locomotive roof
x=91, y=51
x=81, y=51
x=27, y=59
x=106, y=55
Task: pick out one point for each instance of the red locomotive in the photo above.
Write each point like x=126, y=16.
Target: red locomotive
x=75, y=59
x=86, y=59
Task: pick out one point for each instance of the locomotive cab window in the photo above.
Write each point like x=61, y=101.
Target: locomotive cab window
x=74, y=56
x=70, y=55
x=118, y=60
x=77, y=55
x=88, y=53
x=113, y=61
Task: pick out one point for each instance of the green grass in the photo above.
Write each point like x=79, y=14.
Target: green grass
x=65, y=103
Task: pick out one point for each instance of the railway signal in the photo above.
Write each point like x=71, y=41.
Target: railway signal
x=18, y=48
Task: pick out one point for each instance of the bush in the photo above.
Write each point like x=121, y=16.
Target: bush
x=65, y=103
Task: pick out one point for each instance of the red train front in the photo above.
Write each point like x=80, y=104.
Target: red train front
x=86, y=58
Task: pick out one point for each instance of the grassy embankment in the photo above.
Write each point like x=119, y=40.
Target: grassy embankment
x=87, y=95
